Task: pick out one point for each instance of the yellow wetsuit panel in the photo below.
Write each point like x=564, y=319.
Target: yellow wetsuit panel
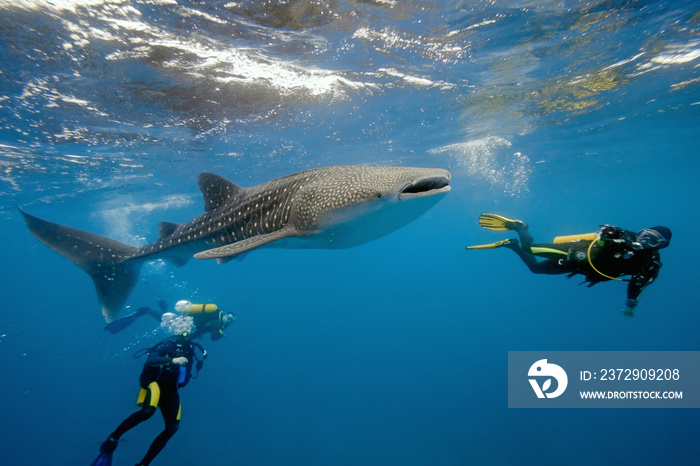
x=142, y=396
x=155, y=394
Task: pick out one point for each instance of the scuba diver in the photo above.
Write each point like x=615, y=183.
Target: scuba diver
x=168, y=368
x=208, y=318
x=604, y=255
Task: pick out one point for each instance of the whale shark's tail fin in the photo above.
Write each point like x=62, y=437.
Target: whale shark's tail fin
x=106, y=261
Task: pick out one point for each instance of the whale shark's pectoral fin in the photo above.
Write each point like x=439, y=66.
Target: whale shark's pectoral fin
x=229, y=250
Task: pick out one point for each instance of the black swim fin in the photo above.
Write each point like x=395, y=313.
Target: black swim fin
x=106, y=451
x=120, y=324
x=103, y=459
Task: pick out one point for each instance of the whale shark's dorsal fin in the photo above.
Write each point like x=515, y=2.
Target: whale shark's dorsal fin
x=217, y=190
x=166, y=229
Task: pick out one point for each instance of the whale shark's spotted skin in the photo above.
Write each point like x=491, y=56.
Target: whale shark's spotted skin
x=321, y=203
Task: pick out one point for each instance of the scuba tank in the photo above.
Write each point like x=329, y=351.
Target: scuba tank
x=570, y=238
x=186, y=307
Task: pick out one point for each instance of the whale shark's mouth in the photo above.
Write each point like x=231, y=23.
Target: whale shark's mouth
x=425, y=187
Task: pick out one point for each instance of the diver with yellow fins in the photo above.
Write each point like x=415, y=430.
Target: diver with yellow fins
x=604, y=255
x=168, y=368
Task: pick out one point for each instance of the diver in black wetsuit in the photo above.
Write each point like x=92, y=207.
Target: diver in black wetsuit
x=167, y=369
x=606, y=255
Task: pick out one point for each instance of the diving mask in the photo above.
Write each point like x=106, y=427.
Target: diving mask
x=651, y=238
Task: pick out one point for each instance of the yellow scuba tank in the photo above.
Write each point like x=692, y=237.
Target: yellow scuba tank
x=569, y=238
x=186, y=307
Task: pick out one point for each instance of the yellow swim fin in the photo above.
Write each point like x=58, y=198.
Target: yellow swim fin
x=495, y=245
x=500, y=223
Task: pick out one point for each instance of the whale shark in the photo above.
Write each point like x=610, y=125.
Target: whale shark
x=332, y=207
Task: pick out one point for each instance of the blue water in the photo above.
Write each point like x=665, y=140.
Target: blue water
x=564, y=114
